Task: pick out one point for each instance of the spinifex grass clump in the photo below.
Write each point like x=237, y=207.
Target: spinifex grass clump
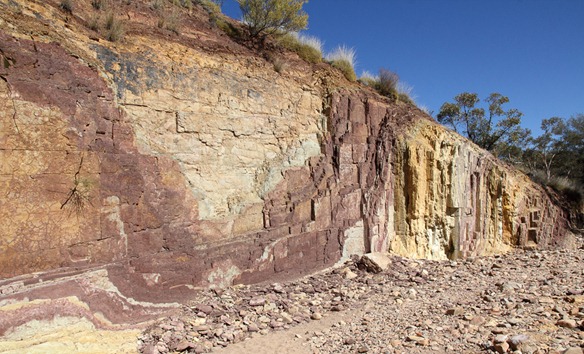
x=343, y=58
x=387, y=84
x=307, y=47
x=114, y=28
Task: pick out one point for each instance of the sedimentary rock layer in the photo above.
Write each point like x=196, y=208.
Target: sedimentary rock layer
x=137, y=172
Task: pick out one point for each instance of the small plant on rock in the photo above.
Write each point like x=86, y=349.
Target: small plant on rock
x=114, y=28
x=368, y=79
x=307, y=47
x=67, y=6
x=93, y=22
x=171, y=21
x=98, y=4
x=387, y=84
x=343, y=58
x=279, y=65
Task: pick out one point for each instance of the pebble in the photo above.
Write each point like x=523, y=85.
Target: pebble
x=316, y=316
x=568, y=323
x=501, y=347
x=522, y=302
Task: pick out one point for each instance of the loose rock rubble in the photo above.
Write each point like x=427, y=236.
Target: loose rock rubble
x=523, y=302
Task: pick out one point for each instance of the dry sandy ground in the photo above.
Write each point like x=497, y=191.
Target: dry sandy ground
x=524, y=302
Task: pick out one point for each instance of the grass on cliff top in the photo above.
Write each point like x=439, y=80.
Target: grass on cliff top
x=343, y=58
x=387, y=84
x=308, y=48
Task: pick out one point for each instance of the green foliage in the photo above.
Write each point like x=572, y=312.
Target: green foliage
x=346, y=68
x=212, y=7
x=387, y=84
x=572, y=191
x=228, y=28
x=268, y=17
x=489, y=129
x=405, y=98
x=343, y=58
x=546, y=148
x=307, y=47
x=559, y=150
x=367, y=79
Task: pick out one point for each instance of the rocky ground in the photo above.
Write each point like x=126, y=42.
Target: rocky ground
x=527, y=301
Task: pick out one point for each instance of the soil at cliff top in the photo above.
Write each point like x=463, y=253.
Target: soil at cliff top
x=523, y=302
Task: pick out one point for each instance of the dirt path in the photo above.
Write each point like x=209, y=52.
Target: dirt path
x=527, y=301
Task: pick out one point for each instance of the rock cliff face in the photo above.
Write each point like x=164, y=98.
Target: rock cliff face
x=136, y=172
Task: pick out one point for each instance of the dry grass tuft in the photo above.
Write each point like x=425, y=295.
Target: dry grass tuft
x=343, y=58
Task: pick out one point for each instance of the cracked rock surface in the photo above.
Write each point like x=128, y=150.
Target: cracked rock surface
x=523, y=302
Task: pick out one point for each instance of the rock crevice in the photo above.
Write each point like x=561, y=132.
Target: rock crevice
x=193, y=170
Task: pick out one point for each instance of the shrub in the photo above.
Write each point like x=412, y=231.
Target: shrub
x=66, y=5
x=156, y=4
x=405, y=93
x=307, y=47
x=569, y=188
x=170, y=21
x=114, y=28
x=279, y=64
x=368, y=79
x=228, y=28
x=93, y=23
x=387, y=84
x=212, y=7
x=343, y=58
x=267, y=17
x=97, y=4
x=403, y=97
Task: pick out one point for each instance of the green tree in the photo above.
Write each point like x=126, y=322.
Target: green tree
x=572, y=163
x=266, y=17
x=548, y=146
x=494, y=129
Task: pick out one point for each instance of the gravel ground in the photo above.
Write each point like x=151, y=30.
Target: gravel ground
x=527, y=301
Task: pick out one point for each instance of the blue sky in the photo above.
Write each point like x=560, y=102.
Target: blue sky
x=529, y=50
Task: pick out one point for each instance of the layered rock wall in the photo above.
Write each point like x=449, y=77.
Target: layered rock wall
x=455, y=200
x=134, y=173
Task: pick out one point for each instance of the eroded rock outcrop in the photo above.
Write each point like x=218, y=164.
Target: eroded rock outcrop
x=134, y=173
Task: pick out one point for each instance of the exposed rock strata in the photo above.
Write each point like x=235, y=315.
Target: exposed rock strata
x=165, y=167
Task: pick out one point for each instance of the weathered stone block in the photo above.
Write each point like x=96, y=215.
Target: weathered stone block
x=346, y=154
x=359, y=153
x=322, y=212
x=356, y=111
x=349, y=207
x=354, y=240
x=349, y=175
x=375, y=262
x=251, y=219
x=302, y=212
